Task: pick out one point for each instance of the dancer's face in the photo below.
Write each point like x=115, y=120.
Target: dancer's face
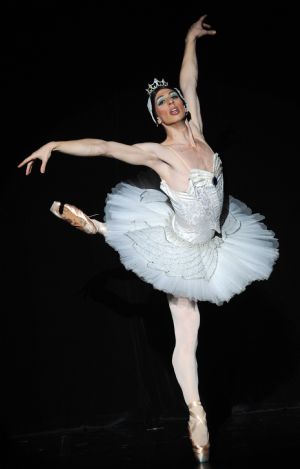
x=169, y=107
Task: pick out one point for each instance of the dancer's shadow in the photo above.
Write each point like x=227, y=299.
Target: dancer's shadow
x=152, y=334
x=126, y=294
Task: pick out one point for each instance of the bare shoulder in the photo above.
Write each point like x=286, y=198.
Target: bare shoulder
x=156, y=149
x=160, y=155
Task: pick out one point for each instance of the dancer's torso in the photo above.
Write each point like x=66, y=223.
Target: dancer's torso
x=197, y=208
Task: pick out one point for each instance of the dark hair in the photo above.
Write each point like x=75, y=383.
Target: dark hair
x=175, y=88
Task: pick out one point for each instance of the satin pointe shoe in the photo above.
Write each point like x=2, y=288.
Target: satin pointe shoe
x=196, y=421
x=75, y=217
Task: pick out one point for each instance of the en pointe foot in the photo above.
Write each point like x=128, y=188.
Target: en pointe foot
x=198, y=431
x=75, y=217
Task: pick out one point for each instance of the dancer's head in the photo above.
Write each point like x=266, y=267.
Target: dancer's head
x=166, y=104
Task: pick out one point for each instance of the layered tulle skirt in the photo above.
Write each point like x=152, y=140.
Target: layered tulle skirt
x=139, y=228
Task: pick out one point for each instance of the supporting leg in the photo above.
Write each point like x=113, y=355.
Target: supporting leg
x=186, y=319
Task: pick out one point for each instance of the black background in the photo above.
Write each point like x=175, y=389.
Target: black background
x=84, y=338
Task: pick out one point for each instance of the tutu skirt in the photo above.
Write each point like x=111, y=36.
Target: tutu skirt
x=139, y=228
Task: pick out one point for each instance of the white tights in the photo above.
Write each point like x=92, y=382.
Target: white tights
x=186, y=319
x=100, y=226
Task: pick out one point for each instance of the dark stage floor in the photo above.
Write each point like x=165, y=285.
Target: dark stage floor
x=245, y=440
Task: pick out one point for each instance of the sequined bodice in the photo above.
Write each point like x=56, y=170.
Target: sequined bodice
x=198, y=210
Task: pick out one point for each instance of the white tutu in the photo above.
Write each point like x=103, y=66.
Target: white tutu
x=139, y=228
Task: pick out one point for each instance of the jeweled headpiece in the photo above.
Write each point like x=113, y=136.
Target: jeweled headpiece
x=156, y=84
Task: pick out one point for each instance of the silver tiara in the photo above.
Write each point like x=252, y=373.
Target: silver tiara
x=156, y=84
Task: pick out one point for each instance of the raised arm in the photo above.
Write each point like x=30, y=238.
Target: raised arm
x=188, y=77
x=139, y=154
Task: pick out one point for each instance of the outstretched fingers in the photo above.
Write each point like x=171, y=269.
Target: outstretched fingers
x=29, y=163
x=205, y=28
x=27, y=160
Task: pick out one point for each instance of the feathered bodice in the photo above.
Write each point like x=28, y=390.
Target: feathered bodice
x=198, y=210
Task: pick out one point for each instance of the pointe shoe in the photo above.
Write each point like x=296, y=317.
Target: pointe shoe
x=74, y=216
x=198, y=418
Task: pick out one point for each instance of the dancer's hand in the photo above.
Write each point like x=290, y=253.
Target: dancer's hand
x=200, y=28
x=43, y=154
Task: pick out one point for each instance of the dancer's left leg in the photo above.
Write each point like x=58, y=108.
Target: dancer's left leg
x=186, y=320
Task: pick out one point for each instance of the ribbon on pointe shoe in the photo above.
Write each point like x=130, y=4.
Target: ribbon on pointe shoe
x=201, y=452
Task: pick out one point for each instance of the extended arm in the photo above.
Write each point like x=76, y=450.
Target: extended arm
x=140, y=154
x=188, y=77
